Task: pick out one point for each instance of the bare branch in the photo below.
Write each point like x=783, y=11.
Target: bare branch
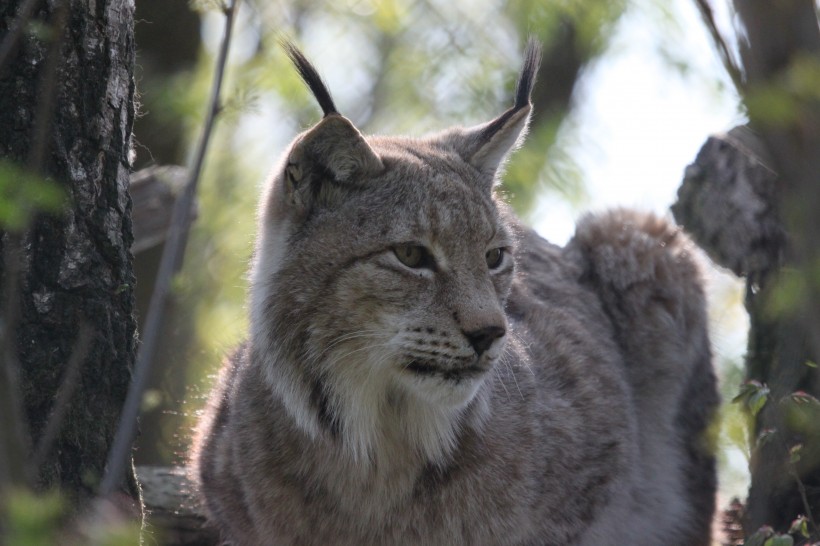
x=170, y=263
x=723, y=50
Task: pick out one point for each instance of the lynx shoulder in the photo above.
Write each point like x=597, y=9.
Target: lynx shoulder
x=423, y=369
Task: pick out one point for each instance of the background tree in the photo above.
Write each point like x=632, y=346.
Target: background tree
x=753, y=200
x=782, y=57
x=68, y=330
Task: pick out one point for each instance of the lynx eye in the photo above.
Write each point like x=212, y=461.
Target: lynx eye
x=494, y=257
x=413, y=256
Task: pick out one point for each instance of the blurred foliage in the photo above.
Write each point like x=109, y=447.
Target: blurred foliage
x=45, y=519
x=22, y=194
x=779, y=103
x=32, y=520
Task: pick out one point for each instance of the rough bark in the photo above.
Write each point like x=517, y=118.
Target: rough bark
x=779, y=37
x=729, y=202
x=66, y=112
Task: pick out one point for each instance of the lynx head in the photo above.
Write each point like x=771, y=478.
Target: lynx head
x=381, y=271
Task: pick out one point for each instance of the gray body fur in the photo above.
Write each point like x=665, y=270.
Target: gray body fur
x=559, y=396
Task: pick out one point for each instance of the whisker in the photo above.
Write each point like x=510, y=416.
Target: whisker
x=354, y=351
x=350, y=335
x=505, y=360
x=497, y=372
x=315, y=359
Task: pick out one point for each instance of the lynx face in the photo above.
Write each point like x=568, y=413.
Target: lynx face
x=381, y=272
x=418, y=299
x=388, y=312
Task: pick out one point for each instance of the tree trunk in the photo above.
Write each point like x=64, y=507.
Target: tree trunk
x=765, y=226
x=783, y=38
x=66, y=112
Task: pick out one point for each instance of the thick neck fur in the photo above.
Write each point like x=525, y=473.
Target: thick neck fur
x=373, y=425
x=337, y=387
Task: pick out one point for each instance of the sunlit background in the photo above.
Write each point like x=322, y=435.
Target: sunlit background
x=630, y=91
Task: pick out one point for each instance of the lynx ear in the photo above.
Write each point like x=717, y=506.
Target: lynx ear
x=330, y=156
x=486, y=146
x=328, y=160
x=336, y=149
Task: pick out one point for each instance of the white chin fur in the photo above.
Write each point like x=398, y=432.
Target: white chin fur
x=444, y=393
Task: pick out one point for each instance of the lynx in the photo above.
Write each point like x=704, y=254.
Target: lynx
x=423, y=369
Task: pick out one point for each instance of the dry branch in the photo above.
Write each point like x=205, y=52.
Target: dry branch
x=172, y=515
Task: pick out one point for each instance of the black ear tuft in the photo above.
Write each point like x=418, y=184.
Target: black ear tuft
x=487, y=145
x=532, y=60
x=311, y=77
x=526, y=81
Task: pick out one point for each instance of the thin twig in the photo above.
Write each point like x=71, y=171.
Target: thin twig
x=15, y=31
x=171, y=260
x=723, y=50
x=68, y=385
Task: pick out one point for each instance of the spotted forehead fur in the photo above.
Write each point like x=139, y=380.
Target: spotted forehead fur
x=444, y=193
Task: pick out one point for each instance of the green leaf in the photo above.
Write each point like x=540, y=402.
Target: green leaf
x=788, y=293
x=760, y=537
x=802, y=397
x=746, y=390
x=800, y=526
x=772, y=105
x=32, y=520
x=757, y=400
x=754, y=395
x=810, y=364
x=780, y=540
x=803, y=77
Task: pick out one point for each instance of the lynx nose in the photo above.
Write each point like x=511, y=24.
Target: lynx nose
x=482, y=338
